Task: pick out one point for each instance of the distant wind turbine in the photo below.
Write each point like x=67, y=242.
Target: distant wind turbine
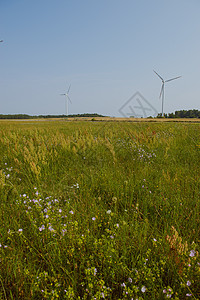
x=163, y=88
x=67, y=99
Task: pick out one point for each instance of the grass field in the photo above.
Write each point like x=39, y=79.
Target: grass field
x=99, y=210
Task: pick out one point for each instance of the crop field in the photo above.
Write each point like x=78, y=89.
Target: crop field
x=99, y=210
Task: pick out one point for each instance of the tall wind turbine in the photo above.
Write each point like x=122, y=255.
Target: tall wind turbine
x=162, y=92
x=67, y=99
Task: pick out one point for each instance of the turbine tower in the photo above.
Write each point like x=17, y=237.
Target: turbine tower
x=162, y=92
x=67, y=99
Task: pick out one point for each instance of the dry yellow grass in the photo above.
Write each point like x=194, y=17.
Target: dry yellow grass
x=134, y=119
x=107, y=119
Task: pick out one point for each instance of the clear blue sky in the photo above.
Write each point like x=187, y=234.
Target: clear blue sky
x=106, y=50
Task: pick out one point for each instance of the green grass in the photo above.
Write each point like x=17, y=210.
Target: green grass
x=99, y=210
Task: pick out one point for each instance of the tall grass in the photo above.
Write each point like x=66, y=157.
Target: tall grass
x=97, y=210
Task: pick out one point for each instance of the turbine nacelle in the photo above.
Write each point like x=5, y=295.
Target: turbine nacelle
x=67, y=96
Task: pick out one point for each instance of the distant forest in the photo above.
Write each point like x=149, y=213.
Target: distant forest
x=192, y=113
x=24, y=116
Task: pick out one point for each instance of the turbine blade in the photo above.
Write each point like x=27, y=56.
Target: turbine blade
x=159, y=76
x=69, y=89
x=173, y=79
x=162, y=90
x=69, y=99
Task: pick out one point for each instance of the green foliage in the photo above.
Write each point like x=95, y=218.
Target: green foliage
x=191, y=113
x=24, y=116
x=95, y=210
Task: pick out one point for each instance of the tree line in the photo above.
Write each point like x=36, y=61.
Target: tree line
x=191, y=113
x=25, y=116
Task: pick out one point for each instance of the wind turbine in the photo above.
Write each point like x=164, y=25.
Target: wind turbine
x=67, y=99
x=163, y=88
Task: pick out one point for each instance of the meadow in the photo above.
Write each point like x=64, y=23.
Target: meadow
x=99, y=210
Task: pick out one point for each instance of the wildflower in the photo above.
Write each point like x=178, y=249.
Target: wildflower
x=60, y=210
x=188, y=283
x=76, y=185
x=123, y=285
x=95, y=271
x=41, y=228
x=192, y=253
x=108, y=211
x=168, y=295
x=117, y=225
x=51, y=228
x=20, y=230
x=93, y=219
x=130, y=280
x=63, y=231
x=188, y=295
x=111, y=236
x=71, y=212
x=143, y=289
x=164, y=291
x=154, y=240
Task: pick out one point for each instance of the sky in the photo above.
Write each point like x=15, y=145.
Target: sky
x=105, y=49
